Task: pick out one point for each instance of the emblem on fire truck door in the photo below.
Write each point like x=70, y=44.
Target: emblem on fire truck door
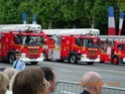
x=67, y=42
x=6, y=39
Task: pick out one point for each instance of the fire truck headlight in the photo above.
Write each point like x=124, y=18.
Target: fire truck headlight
x=98, y=56
x=84, y=55
x=41, y=55
x=79, y=51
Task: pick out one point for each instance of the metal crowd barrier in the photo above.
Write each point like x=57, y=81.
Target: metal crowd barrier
x=66, y=87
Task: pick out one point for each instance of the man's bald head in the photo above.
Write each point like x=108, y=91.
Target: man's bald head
x=90, y=79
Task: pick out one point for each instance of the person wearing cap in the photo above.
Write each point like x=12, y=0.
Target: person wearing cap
x=18, y=64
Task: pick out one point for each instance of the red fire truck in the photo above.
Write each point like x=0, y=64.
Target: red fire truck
x=74, y=48
x=112, y=49
x=24, y=38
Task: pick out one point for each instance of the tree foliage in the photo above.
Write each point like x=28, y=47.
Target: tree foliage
x=62, y=13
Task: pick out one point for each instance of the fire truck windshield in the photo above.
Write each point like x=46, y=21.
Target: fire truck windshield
x=90, y=42
x=31, y=40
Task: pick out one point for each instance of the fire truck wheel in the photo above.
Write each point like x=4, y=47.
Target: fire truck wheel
x=11, y=58
x=115, y=60
x=101, y=61
x=73, y=59
x=34, y=63
x=90, y=63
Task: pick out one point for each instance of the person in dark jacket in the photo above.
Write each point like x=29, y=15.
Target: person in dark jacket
x=92, y=83
x=50, y=76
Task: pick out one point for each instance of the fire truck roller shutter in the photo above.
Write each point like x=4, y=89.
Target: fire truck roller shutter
x=73, y=58
x=115, y=60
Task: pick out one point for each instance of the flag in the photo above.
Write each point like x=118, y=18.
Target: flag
x=24, y=18
x=111, y=21
x=120, y=22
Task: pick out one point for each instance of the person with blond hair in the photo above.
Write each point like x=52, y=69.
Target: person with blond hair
x=4, y=82
x=10, y=72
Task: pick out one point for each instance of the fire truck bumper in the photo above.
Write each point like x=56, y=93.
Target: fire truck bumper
x=123, y=60
x=26, y=59
x=85, y=59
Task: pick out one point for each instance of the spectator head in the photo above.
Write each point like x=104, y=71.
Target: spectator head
x=18, y=54
x=10, y=72
x=4, y=82
x=50, y=76
x=12, y=80
x=92, y=82
x=30, y=81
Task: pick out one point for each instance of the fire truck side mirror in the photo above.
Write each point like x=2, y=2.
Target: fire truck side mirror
x=2, y=37
x=43, y=40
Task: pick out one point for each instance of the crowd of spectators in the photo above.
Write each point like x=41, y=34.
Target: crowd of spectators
x=42, y=80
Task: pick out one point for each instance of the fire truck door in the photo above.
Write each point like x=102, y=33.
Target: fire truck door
x=65, y=47
x=5, y=45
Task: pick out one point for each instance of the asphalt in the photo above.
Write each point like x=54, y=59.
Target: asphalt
x=113, y=75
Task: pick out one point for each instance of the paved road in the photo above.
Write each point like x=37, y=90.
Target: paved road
x=113, y=74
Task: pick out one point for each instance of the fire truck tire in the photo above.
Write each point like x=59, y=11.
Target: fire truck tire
x=73, y=59
x=90, y=63
x=11, y=58
x=34, y=63
x=102, y=62
x=115, y=60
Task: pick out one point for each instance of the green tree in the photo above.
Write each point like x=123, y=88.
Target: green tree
x=9, y=11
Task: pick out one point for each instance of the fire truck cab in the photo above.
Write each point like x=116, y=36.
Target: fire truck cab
x=113, y=49
x=74, y=48
x=24, y=38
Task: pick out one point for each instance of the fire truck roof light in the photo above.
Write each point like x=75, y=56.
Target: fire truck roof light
x=19, y=30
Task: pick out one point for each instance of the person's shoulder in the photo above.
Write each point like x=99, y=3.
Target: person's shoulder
x=9, y=92
x=20, y=60
x=14, y=61
x=85, y=92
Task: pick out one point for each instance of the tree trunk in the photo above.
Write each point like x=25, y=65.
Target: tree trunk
x=93, y=23
x=50, y=24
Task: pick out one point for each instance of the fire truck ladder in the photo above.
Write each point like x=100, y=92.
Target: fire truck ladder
x=105, y=37
x=21, y=27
